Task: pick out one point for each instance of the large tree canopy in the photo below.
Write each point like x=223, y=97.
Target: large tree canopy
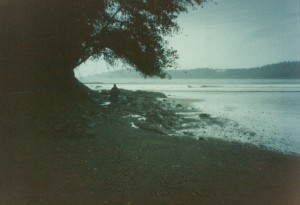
x=44, y=40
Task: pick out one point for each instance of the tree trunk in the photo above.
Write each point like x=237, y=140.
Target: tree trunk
x=42, y=81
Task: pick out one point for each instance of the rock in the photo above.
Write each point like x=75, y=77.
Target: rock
x=151, y=127
x=188, y=133
x=147, y=94
x=179, y=106
x=201, y=138
x=204, y=115
x=252, y=133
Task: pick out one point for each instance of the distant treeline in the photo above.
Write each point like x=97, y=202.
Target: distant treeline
x=285, y=70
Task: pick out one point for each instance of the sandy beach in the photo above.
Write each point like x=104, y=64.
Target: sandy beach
x=79, y=151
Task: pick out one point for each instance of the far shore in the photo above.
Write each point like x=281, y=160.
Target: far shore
x=76, y=151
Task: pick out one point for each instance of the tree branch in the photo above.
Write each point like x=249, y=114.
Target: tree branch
x=103, y=30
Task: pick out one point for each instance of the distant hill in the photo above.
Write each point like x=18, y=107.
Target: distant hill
x=284, y=70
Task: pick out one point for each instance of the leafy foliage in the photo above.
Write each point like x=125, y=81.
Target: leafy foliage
x=61, y=34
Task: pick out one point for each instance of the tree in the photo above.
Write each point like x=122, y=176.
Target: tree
x=44, y=40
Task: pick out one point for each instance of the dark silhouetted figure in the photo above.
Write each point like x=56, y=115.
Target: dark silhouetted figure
x=114, y=93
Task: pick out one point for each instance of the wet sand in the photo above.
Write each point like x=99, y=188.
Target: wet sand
x=82, y=153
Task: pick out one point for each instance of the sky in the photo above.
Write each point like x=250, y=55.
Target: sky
x=232, y=34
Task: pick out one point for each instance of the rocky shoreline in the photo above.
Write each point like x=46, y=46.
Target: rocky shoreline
x=80, y=150
x=64, y=117
x=153, y=111
x=145, y=110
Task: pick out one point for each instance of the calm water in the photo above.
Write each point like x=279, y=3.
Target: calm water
x=268, y=108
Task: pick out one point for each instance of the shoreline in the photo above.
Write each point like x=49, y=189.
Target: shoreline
x=263, y=114
x=228, y=130
x=186, y=120
x=236, y=131
x=83, y=153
